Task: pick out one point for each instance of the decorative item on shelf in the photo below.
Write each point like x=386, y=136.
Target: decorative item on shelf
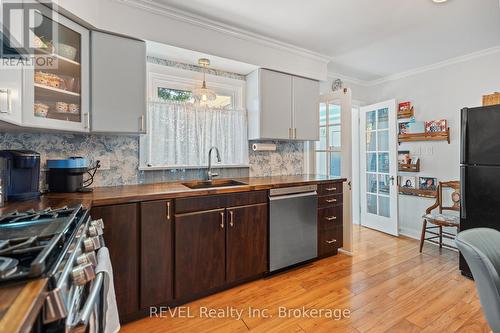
x=418, y=192
x=73, y=108
x=61, y=107
x=404, y=157
x=427, y=183
x=43, y=43
x=408, y=182
x=203, y=94
x=405, y=110
x=411, y=127
x=493, y=99
x=41, y=110
x=50, y=80
x=66, y=51
x=435, y=126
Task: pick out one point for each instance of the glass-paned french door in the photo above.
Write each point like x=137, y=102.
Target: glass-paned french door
x=378, y=167
x=327, y=149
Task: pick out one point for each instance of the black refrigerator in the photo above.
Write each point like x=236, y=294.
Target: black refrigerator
x=479, y=171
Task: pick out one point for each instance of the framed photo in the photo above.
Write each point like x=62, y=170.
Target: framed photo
x=427, y=183
x=404, y=127
x=404, y=157
x=408, y=181
x=434, y=126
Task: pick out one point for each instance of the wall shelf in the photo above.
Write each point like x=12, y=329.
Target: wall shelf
x=409, y=167
x=436, y=136
x=417, y=192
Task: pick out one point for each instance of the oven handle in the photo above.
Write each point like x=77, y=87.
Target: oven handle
x=81, y=323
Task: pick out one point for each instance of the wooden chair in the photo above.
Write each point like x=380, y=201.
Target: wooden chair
x=441, y=220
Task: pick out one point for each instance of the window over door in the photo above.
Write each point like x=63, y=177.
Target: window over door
x=328, y=147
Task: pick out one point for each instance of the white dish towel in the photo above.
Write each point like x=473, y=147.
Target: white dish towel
x=111, y=321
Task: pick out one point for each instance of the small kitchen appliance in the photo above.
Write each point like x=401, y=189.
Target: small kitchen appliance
x=66, y=175
x=20, y=173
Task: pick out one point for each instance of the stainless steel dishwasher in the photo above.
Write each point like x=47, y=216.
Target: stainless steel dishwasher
x=293, y=227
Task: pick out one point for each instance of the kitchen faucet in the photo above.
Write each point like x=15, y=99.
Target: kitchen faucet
x=211, y=174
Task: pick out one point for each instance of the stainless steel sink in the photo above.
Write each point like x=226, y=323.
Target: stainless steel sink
x=200, y=184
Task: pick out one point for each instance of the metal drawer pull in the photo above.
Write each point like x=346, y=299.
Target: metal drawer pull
x=331, y=241
x=231, y=221
x=168, y=210
x=222, y=220
x=331, y=200
x=330, y=218
x=331, y=189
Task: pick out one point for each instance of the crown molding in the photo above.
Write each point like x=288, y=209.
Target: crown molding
x=346, y=78
x=180, y=15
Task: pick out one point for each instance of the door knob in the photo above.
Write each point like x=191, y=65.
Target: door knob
x=392, y=180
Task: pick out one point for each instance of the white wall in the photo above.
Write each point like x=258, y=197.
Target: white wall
x=155, y=24
x=438, y=94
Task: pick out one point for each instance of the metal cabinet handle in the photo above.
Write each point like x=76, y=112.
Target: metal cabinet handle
x=86, y=120
x=290, y=133
x=222, y=220
x=9, y=101
x=168, y=210
x=331, y=200
x=331, y=189
x=141, y=118
x=295, y=133
x=231, y=220
x=330, y=218
x=331, y=241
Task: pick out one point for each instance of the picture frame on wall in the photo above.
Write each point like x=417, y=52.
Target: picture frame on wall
x=427, y=183
x=404, y=157
x=436, y=126
x=408, y=182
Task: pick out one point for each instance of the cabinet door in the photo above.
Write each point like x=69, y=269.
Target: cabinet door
x=118, y=84
x=199, y=252
x=276, y=105
x=305, y=109
x=11, y=83
x=121, y=235
x=56, y=91
x=246, y=242
x=156, y=253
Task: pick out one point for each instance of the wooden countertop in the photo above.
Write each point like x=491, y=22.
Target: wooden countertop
x=20, y=302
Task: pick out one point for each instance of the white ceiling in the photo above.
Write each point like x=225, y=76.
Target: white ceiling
x=366, y=39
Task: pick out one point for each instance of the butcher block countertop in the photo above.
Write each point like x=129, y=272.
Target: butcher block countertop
x=20, y=302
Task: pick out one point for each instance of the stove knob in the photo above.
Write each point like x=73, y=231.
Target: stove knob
x=87, y=258
x=82, y=274
x=99, y=223
x=91, y=244
x=94, y=230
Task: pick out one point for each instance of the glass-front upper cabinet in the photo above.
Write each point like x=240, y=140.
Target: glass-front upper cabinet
x=56, y=85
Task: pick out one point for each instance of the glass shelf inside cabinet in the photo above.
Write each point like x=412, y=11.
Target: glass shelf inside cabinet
x=58, y=80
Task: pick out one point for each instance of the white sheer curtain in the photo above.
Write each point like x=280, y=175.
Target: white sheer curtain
x=181, y=134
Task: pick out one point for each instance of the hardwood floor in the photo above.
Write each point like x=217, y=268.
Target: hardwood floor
x=387, y=286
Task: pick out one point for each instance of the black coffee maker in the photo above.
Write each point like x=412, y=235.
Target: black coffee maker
x=20, y=173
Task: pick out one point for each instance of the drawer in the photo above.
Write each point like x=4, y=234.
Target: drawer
x=329, y=241
x=330, y=217
x=330, y=188
x=193, y=204
x=330, y=200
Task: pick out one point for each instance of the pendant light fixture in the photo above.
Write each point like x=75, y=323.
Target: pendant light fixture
x=203, y=94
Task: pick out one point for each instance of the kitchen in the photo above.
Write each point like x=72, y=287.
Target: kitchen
x=190, y=177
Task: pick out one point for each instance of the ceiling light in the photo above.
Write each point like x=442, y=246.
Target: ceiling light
x=203, y=94
x=439, y=1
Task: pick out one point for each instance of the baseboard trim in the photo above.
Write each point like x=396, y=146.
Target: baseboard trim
x=348, y=253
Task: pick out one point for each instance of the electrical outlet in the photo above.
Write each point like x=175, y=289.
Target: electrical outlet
x=105, y=163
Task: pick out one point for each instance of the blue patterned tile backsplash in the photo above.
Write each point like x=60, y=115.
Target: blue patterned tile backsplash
x=123, y=155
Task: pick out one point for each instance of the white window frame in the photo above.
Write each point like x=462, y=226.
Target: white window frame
x=160, y=76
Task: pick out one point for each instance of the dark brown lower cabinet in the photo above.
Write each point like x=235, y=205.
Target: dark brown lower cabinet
x=200, y=257
x=246, y=244
x=121, y=235
x=156, y=253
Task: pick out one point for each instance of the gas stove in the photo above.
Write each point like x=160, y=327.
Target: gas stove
x=32, y=241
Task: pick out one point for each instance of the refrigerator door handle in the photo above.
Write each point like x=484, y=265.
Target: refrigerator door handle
x=463, y=181
x=463, y=136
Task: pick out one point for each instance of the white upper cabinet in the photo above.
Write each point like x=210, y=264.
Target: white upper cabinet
x=305, y=109
x=118, y=84
x=281, y=106
x=55, y=94
x=11, y=83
